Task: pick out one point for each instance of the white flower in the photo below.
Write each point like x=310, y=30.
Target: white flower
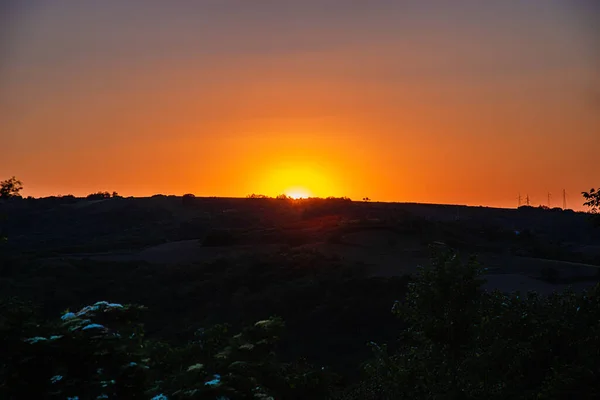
x=93, y=326
x=107, y=304
x=96, y=306
x=79, y=324
x=35, y=339
x=56, y=378
x=266, y=323
x=215, y=382
x=85, y=310
x=68, y=316
x=160, y=397
x=195, y=367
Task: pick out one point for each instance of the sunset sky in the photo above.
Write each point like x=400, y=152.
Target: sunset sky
x=462, y=102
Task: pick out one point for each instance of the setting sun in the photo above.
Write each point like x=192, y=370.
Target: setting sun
x=247, y=112
x=298, y=179
x=297, y=193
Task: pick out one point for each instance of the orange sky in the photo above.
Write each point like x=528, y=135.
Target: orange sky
x=460, y=102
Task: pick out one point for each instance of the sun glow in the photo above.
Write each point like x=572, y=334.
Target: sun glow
x=297, y=193
x=298, y=180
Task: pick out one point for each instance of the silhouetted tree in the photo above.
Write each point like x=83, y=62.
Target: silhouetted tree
x=10, y=188
x=366, y=199
x=592, y=200
x=98, y=196
x=188, y=199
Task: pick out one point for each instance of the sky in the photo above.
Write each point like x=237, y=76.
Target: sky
x=458, y=102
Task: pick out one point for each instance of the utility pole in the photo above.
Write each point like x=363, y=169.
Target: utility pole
x=564, y=199
x=527, y=200
x=519, y=199
x=549, y=197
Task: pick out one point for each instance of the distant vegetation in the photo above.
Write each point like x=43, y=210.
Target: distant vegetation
x=101, y=195
x=286, y=197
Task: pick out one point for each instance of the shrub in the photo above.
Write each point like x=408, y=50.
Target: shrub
x=98, y=196
x=100, y=352
x=464, y=343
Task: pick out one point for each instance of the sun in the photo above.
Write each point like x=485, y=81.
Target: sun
x=297, y=193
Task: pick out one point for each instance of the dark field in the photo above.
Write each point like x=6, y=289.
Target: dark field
x=330, y=268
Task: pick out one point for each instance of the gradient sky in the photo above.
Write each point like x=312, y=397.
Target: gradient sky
x=463, y=102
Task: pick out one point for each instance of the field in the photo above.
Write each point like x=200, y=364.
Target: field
x=330, y=268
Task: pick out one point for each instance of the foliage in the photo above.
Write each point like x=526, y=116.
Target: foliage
x=101, y=352
x=245, y=366
x=458, y=342
x=464, y=343
x=10, y=188
x=92, y=353
x=592, y=200
x=98, y=196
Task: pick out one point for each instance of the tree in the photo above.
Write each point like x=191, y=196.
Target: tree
x=10, y=188
x=462, y=342
x=592, y=200
x=188, y=199
x=98, y=196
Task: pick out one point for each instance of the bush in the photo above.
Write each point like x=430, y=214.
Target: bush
x=188, y=199
x=101, y=352
x=98, y=196
x=464, y=343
